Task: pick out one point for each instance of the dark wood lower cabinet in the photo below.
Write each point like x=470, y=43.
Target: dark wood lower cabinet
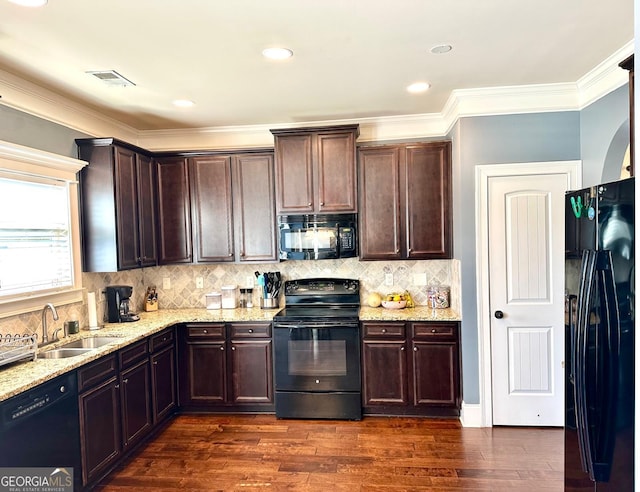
x=411, y=368
x=121, y=397
x=226, y=367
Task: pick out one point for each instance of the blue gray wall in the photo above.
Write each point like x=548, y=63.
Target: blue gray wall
x=24, y=129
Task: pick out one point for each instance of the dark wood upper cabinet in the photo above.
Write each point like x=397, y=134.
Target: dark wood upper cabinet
x=627, y=64
x=211, y=208
x=316, y=169
x=117, y=206
x=174, y=220
x=405, y=201
x=254, y=208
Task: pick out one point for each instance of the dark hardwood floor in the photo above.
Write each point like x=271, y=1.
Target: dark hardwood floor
x=259, y=452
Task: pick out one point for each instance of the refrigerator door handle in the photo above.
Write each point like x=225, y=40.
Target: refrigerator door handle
x=579, y=360
x=607, y=381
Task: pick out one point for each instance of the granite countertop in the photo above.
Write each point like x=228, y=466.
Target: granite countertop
x=21, y=376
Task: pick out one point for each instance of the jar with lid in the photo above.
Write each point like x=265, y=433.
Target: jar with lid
x=229, y=296
x=246, y=297
x=438, y=296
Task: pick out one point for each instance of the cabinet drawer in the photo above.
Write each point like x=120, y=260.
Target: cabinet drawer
x=250, y=330
x=384, y=330
x=205, y=330
x=96, y=372
x=433, y=331
x=133, y=353
x=162, y=339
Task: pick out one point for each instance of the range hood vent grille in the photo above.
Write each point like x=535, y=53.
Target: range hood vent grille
x=111, y=77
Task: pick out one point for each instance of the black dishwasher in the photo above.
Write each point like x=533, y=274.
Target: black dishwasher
x=40, y=427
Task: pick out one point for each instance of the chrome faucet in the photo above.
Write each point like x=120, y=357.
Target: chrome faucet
x=45, y=338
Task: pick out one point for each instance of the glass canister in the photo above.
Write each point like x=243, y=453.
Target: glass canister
x=229, y=296
x=438, y=296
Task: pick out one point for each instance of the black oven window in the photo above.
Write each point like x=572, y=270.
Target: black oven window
x=317, y=357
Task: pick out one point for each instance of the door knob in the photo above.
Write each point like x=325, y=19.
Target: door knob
x=499, y=314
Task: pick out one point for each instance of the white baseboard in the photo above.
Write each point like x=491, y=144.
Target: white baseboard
x=471, y=415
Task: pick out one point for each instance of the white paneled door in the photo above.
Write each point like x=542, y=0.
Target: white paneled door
x=526, y=269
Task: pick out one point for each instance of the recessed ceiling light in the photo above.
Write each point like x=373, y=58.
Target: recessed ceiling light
x=183, y=103
x=441, y=48
x=29, y=3
x=418, y=87
x=277, y=53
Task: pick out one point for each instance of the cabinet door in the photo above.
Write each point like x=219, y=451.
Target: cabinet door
x=435, y=374
x=254, y=208
x=427, y=183
x=206, y=374
x=174, y=221
x=212, y=216
x=100, y=428
x=135, y=387
x=126, y=208
x=146, y=211
x=384, y=374
x=163, y=383
x=380, y=237
x=294, y=174
x=336, y=172
x=252, y=371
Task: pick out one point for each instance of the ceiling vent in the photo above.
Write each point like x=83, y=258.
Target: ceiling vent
x=111, y=77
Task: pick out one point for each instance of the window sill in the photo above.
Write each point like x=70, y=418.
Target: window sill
x=14, y=307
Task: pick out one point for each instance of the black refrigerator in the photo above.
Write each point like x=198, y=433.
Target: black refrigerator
x=599, y=338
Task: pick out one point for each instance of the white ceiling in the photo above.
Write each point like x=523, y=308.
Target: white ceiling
x=352, y=58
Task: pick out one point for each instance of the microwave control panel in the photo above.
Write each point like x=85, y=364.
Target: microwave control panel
x=347, y=238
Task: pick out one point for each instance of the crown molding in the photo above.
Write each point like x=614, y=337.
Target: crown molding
x=571, y=96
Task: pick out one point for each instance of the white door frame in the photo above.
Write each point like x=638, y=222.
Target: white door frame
x=573, y=170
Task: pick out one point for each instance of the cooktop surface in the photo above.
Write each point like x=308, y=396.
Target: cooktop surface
x=317, y=313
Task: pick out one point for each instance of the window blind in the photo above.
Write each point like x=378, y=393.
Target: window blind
x=35, y=236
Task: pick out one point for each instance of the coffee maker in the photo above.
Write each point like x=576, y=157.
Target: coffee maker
x=118, y=308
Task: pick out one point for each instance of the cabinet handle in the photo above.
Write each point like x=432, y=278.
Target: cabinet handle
x=250, y=330
x=155, y=362
x=434, y=331
x=384, y=330
x=321, y=204
x=205, y=331
x=125, y=381
x=230, y=255
x=222, y=348
x=233, y=348
x=415, y=349
x=309, y=204
x=402, y=349
x=117, y=386
x=409, y=250
x=397, y=250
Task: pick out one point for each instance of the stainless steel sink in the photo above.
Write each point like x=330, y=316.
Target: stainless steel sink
x=90, y=342
x=63, y=353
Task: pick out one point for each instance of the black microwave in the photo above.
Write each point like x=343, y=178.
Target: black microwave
x=318, y=237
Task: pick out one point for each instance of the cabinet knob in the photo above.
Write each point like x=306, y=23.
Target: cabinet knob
x=222, y=348
x=125, y=381
x=409, y=250
x=415, y=349
x=384, y=330
x=402, y=349
x=309, y=204
x=117, y=386
x=155, y=362
x=397, y=250
x=250, y=330
x=230, y=255
x=434, y=331
x=205, y=331
x=233, y=348
x=322, y=204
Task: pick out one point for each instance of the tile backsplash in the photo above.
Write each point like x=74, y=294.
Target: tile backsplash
x=183, y=293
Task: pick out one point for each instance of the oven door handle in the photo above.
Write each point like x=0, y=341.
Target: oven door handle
x=306, y=326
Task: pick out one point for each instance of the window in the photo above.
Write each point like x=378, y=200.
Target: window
x=39, y=230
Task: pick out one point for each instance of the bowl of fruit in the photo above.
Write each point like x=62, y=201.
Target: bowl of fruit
x=394, y=301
